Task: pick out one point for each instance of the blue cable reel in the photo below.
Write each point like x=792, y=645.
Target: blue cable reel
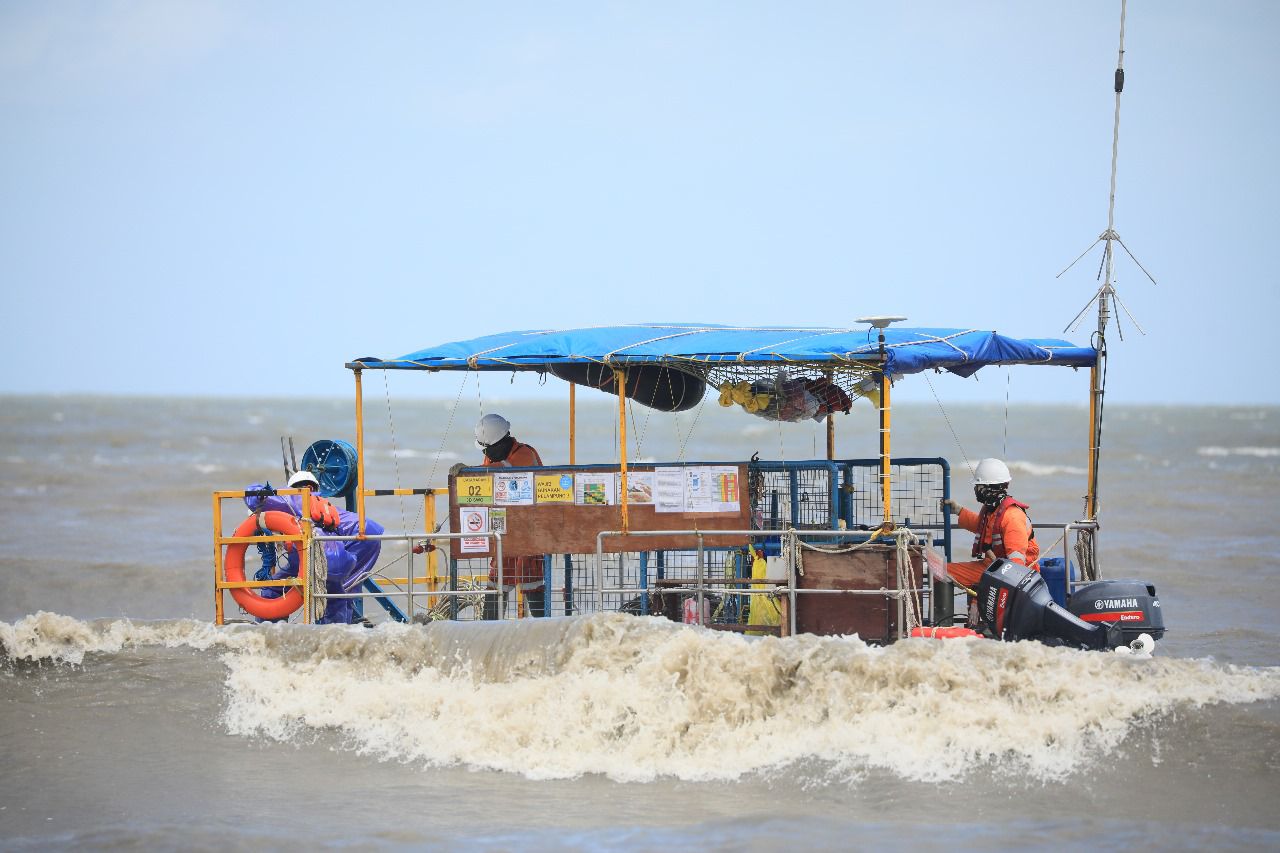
x=334, y=464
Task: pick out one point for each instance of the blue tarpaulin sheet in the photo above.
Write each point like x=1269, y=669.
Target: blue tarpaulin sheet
x=907, y=350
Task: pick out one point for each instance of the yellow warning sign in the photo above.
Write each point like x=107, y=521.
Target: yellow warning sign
x=553, y=488
x=475, y=490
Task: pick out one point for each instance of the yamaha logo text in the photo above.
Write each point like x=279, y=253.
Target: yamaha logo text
x=1114, y=603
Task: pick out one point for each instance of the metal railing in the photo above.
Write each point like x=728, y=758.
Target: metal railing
x=793, y=591
x=306, y=536
x=701, y=584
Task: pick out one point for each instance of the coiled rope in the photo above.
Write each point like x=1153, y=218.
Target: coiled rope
x=793, y=548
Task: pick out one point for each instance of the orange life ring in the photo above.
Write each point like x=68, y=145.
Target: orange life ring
x=944, y=633
x=263, y=608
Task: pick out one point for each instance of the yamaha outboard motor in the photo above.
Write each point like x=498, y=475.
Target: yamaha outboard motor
x=1132, y=604
x=1015, y=603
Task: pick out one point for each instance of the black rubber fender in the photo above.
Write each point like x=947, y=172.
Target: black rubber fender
x=657, y=386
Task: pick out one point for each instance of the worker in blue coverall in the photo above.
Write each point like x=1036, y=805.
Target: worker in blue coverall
x=349, y=561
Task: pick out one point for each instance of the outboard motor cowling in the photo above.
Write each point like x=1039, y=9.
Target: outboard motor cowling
x=1015, y=604
x=1131, y=604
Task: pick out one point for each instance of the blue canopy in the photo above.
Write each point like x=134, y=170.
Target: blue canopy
x=702, y=346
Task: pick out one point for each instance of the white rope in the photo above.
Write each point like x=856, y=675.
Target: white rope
x=792, y=550
x=395, y=455
x=742, y=356
x=457, y=402
x=906, y=577
x=608, y=357
x=942, y=409
x=441, y=609
x=933, y=339
x=317, y=574
x=1008, y=385
x=696, y=414
x=829, y=549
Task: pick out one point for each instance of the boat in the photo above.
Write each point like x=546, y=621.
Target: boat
x=824, y=546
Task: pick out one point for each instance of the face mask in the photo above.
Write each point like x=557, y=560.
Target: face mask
x=988, y=494
x=499, y=450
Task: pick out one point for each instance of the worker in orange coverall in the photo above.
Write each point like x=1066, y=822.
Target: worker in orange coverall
x=1002, y=528
x=502, y=450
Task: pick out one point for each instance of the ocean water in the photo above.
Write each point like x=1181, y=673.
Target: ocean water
x=130, y=721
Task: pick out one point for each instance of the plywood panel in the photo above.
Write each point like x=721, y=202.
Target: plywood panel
x=874, y=618
x=562, y=528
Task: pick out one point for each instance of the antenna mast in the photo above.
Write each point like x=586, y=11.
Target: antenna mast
x=1107, y=292
x=1085, y=538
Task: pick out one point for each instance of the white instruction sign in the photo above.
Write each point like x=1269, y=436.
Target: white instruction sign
x=474, y=520
x=591, y=489
x=668, y=490
x=515, y=489
x=711, y=488
x=639, y=487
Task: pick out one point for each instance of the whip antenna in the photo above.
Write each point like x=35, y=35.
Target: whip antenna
x=1107, y=292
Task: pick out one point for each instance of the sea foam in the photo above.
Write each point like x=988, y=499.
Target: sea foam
x=640, y=698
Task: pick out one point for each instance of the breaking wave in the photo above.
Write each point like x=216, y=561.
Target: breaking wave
x=637, y=698
x=1037, y=470
x=51, y=637
x=1261, y=452
x=434, y=455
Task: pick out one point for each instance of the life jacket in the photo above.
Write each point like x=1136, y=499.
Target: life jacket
x=530, y=458
x=990, y=535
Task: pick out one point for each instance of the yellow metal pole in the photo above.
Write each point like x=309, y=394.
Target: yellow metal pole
x=621, y=376
x=429, y=523
x=1091, y=497
x=304, y=557
x=573, y=423
x=885, y=490
x=831, y=425
x=359, y=451
x=217, y=561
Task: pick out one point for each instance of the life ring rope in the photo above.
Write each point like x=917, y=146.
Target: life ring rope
x=252, y=602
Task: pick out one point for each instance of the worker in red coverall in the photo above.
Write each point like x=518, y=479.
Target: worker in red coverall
x=1002, y=527
x=524, y=572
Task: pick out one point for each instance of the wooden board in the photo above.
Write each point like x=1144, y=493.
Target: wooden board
x=565, y=528
x=874, y=618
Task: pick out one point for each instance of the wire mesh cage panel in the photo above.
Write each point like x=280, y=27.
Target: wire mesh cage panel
x=664, y=580
x=469, y=576
x=793, y=494
x=632, y=579
x=575, y=576
x=916, y=488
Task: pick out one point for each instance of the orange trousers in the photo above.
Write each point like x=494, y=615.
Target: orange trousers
x=970, y=572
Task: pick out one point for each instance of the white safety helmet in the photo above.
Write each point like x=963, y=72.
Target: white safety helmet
x=991, y=472
x=491, y=430
x=303, y=478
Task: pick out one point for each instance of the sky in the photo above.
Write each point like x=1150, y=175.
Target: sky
x=200, y=197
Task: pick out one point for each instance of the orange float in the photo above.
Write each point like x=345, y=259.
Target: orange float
x=248, y=599
x=944, y=633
